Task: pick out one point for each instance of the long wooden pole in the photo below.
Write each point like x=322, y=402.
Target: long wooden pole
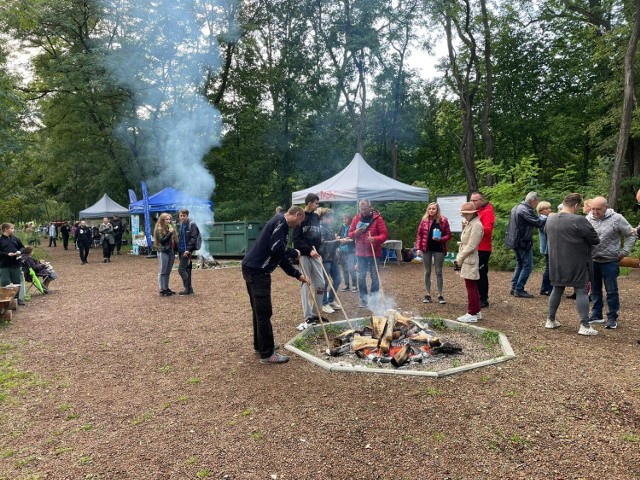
x=375, y=262
x=313, y=299
x=335, y=293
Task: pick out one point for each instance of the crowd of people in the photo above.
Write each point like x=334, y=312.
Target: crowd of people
x=580, y=251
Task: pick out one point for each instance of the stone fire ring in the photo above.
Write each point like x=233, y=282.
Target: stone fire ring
x=505, y=346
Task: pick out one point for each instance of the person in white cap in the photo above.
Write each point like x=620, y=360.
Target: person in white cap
x=468, y=261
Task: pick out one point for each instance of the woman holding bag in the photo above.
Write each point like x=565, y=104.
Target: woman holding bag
x=431, y=244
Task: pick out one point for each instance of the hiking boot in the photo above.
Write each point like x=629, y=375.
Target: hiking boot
x=275, y=358
x=441, y=300
x=611, y=324
x=427, y=299
x=522, y=294
x=589, y=331
x=362, y=304
x=467, y=318
x=327, y=309
x=335, y=306
x=551, y=324
x=593, y=320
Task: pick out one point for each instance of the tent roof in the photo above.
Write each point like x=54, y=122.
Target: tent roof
x=170, y=200
x=105, y=207
x=359, y=181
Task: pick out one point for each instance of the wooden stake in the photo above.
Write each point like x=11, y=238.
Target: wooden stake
x=375, y=262
x=335, y=293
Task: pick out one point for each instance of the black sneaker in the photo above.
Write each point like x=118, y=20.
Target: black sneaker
x=186, y=292
x=441, y=300
x=427, y=299
x=522, y=294
x=275, y=358
x=484, y=304
x=313, y=320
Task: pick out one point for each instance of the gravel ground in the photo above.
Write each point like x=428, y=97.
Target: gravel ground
x=126, y=384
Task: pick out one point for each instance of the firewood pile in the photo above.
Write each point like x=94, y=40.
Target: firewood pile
x=392, y=338
x=206, y=261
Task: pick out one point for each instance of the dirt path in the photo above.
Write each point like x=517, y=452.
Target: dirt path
x=131, y=385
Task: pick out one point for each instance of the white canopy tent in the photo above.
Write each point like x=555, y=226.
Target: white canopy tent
x=105, y=207
x=357, y=181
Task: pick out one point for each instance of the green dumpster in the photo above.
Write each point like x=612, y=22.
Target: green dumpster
x=232, y=239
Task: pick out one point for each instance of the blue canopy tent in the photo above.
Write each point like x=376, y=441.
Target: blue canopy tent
x=170, y=200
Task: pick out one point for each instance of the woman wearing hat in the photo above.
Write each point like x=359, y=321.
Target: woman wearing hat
x=467, y=260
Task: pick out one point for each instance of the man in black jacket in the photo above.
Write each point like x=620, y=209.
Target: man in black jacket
x=187, y=238
x=522, y=221
x=269, y=251
x=11, y=249
x=118, y=230
x=64, y=231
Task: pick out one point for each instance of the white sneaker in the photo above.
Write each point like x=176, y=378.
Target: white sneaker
x=327, y=309
x=335, y=306
x=587, y=330
x=552, y=323
x=479, y=315
x=468, y=318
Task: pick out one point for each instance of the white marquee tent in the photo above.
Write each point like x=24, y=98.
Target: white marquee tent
x=357, y=181
x=105, y=207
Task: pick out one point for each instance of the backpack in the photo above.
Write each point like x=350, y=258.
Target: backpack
x=198, y=236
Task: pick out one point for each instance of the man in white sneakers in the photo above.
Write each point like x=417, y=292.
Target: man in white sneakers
x=570, y=238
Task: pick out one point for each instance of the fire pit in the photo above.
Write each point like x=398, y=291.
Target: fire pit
x=402, y=345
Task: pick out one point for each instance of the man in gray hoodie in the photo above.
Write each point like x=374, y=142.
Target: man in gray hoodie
x=611, y=228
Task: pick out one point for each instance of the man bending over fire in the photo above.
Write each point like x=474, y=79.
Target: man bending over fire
x=269, y=251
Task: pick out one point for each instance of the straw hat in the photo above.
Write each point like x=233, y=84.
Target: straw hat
x=468, y=207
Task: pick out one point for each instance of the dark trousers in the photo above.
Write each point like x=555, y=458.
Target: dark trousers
x=52, y=241
x=107, y=248
x=184, y=270
x=84, y=251
x=65, y=242
x=118, y=242
x=473, y=298
x=483, y=282
x=259, y=289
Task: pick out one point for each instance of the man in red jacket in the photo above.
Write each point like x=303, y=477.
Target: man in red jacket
x=368, y=229
x=488, y=219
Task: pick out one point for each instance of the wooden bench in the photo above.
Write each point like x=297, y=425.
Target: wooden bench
x=8, y=302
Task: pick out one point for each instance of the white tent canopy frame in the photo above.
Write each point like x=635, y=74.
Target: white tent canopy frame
x=105, y=207
x=358, y=181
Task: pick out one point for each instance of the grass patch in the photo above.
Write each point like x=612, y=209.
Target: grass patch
x=203, y=473
x=456, y=362
x=145, y=416
x=256, y=435
x=62, y=450
x=433, y=391
x=247, y=412
x=631, y=437
x=438, y=437
x=12, y=381
x=7, y=452
x=166, y=368
x=191, y=460
x=194, y=381
x=84, y=460
x=490, y=338
x=484, y=378
x=301, y=344
x=436, y=323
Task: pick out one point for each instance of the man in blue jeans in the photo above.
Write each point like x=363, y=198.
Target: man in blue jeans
x=522, y=221
x=611, y=228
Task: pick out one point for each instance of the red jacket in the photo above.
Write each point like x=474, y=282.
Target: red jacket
x=377, y=229
x=487, y=218
x=422, y=236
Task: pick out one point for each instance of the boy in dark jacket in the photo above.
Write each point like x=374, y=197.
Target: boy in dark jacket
x=187, y=238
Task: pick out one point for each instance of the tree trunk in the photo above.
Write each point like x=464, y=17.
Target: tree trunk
x=627, y=109
x=489, y=142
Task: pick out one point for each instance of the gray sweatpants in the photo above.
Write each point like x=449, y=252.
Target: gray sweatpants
x=166, y=264
x=312, y=268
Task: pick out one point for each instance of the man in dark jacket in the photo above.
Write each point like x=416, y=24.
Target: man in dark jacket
x=11, y=249
x=570, y=239
x=84, y=235
x=522, y=221
x=64, y=231
x=269, y=251
x=118, y=230
x=187, y=238
x=307, y=239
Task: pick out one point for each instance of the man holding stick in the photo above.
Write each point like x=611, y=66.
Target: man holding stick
x=269, y=251
x=369, y=233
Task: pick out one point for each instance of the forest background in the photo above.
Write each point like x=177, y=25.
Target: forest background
x=530, y=95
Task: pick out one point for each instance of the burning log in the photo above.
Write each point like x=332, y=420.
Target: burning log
x=378, y=325
x=401, y=357
x=387, y=335
x=340, y=350
x=344, y=337
x=360, y=343
x=207, y=261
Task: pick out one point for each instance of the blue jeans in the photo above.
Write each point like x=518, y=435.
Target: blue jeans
x=333, y=269
x=607, y=274
x=546, y=282
x=524, y=265
x=367, y=264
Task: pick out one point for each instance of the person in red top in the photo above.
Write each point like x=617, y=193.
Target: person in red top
x=431, y=243
x=367, y=229
x=488, y=219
